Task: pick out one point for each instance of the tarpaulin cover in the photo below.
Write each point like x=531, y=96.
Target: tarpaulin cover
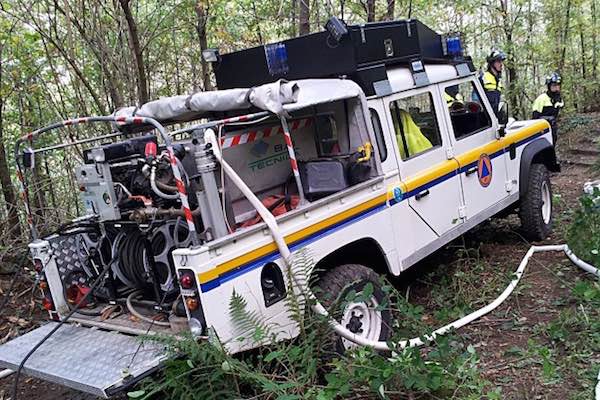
x=278, y=97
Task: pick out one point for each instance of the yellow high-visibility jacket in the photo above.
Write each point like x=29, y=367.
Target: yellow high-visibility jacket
x=493, y=89
x=416, y=142
x=490, y=82
x=544, y=106
x=456, y=99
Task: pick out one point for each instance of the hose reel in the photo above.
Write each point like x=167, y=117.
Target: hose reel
x=128, y=254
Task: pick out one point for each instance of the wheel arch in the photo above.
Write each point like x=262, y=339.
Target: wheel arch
x=540, y=151
x=365, y=251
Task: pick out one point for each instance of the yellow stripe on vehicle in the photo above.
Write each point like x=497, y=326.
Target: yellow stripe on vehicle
x=407, y=185
x=289, y=239
x=430, y=174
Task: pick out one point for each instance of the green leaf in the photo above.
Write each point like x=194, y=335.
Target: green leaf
x=289, y=397
x=226, y=366
x=136, y=394
x=351, y=296
x=273, y=355
x=368, y=290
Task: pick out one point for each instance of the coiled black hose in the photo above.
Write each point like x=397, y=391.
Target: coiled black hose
x=131, y=258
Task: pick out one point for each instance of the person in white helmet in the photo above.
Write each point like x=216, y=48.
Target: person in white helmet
x=491, y=79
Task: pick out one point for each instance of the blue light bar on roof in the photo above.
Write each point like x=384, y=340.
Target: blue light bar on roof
x=277, y=59
x=454, y=46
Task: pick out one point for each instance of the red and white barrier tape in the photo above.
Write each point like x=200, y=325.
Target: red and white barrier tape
x=248, y=137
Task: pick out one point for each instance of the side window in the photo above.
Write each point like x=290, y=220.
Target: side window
x=467, y=112
x=326, y=134
x=415, y=125
x=378, y=134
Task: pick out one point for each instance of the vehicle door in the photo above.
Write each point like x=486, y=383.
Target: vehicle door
x=476, y=146
x=430, y=184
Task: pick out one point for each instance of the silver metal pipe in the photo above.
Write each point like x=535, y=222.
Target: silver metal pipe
x=226, y=121
x=82, y=141
x=211, y=208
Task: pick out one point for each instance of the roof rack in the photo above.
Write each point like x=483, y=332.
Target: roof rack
x=359, y=52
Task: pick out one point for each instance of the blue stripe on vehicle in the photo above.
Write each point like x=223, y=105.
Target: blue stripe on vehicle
x=244, y=268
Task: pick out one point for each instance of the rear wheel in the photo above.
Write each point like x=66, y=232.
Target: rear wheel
x=363, y=315
x=536, y=204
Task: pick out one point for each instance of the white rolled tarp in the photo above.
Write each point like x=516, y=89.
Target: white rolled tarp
x=278, y=97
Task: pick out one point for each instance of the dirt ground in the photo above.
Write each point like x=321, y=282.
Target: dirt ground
x=498, y=337
x=502, y=337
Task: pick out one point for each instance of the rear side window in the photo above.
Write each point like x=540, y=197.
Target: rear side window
x=326, y=133
x=378, y=134
x=467, y=113
x=415, y=124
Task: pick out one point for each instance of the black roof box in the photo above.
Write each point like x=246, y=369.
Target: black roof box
x=362, y=55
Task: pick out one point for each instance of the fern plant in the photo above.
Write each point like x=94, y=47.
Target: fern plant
x=303, y=369
x=301, y=266
x=248, y=321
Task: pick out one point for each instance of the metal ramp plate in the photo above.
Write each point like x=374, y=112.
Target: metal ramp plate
x=83, y=358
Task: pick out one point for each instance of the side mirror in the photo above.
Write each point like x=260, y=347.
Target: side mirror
x=502, y=113
x=502, y=118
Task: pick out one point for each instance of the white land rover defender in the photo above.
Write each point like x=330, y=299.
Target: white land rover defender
x=372, y=146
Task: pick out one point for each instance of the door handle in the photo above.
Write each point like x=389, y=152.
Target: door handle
x=422, y=194
x=471, y=171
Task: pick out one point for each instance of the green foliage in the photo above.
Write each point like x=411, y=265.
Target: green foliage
x=204, y=364
x=247, y=321
x=584, y=233
x=566, y=345
x=304, y=368
x=60, y=59
x=576, y=121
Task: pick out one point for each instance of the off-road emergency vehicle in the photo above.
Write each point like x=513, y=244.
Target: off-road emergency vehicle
x=372, y=146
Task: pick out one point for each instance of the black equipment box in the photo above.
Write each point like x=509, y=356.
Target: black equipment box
x=120, y=150
x=362, y=53
x=322, y=178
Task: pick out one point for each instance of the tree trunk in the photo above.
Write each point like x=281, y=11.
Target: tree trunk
x=584, y=87
x=261, y=40
x=391, y=8
x=294, y=17
x=594, y=51
x=136, y=49
x=316, y=10
x=509, y=26
x=565, y=37
x=30, y=18
x=202, y=15
x=370, y=10
x=8, y=191
x=35, y=185
x=92, y=38
x=304, y=17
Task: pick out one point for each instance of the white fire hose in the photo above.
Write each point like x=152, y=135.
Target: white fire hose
x=210, y=137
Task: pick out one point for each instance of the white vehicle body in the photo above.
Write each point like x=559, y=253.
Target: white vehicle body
x=410, y=202
x=412, y=208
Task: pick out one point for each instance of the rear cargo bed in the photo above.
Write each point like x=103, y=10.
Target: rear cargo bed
x=98, y=362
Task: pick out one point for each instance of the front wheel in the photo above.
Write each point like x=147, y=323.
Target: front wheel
x=366, y=314
x=536, y=204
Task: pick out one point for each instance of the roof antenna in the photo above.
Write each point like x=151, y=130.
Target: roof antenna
x=409, y=9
